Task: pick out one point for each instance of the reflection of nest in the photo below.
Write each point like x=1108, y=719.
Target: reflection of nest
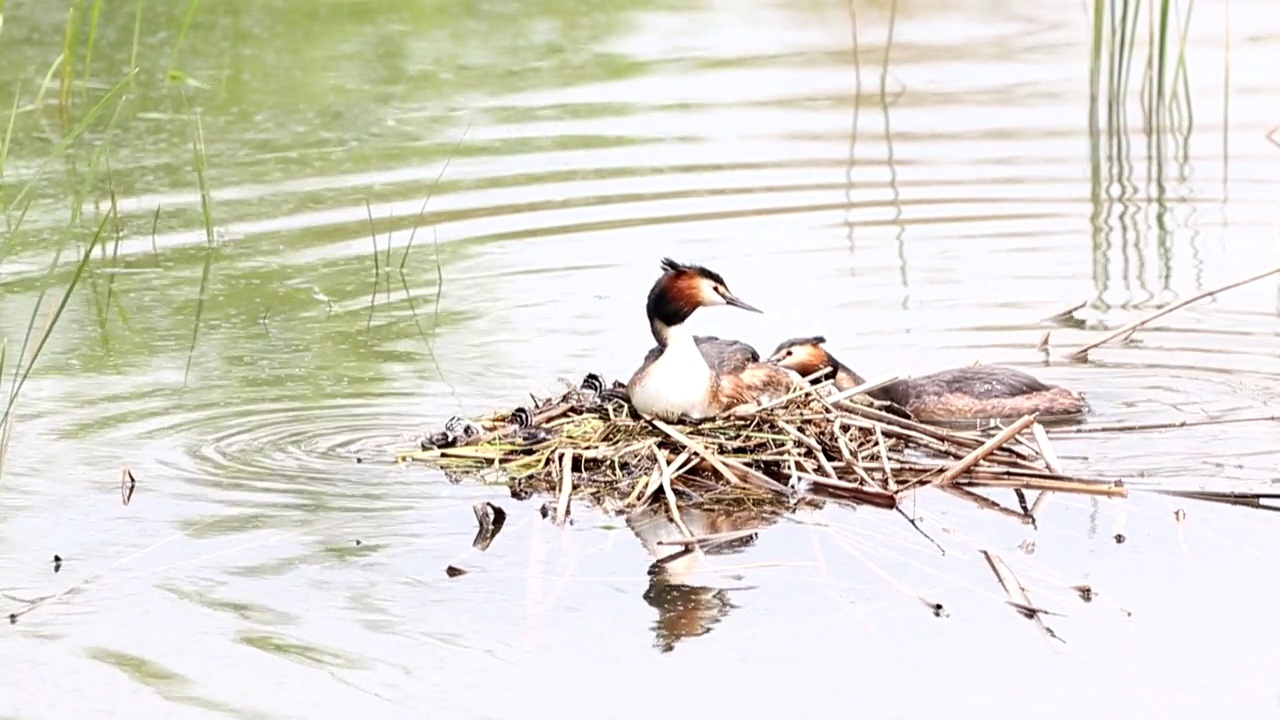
x=811, y=442
x=685, y=587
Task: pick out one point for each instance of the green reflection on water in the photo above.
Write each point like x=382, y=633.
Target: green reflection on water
x=167, y=683
x=286, y=92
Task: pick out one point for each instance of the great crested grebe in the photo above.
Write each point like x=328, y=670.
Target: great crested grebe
x=697, y=378
x=981, y=392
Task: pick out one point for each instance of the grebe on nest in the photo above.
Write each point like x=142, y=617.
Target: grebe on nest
x=698, y=377
x=981, y=392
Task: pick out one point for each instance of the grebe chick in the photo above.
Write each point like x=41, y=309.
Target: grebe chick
x=697, y=378
x=981, y=392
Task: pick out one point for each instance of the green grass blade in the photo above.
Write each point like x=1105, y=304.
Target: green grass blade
x=68, y=62
x=182, y=34
x=431, y=190
x=8, y=130
x=137, y=33
x=70, y=137
x=199, y=165
x=94, y=12
x=53, y=321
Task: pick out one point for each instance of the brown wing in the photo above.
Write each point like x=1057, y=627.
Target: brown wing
x=723, y=356
x=755, y=383
x=980, y=381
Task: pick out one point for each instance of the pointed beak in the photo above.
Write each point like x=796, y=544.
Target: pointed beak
x=733, y=300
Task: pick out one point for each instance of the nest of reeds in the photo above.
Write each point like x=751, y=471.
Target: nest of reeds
x=816, y=443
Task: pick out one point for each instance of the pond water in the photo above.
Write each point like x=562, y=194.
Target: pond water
x=922, y=221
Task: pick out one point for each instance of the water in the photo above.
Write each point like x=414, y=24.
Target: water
x=259, y=571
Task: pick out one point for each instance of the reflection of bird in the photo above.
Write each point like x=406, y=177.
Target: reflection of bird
x=689, y=596
x=982, y=392
x=692, y=377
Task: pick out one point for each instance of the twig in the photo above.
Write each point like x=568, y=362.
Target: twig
x=1084, y=351
x=984, y=450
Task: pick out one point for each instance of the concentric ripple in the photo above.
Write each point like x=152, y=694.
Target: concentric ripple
x=281, y=447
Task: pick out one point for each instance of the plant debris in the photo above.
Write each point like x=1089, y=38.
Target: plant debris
x=814, y=445
x=490, y=519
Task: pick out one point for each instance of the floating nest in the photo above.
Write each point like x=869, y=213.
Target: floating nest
x=812, y=446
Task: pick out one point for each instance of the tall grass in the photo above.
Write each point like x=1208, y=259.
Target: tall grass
x=1137, y=62
x=69, y=79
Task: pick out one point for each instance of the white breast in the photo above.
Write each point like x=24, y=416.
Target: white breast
x=677, y=383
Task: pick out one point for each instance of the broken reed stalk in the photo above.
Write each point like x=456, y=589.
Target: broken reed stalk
x=984, y=450
x=1050, y=461
x=1083, y=352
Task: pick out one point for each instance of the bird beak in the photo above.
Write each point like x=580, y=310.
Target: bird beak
x=733, y=300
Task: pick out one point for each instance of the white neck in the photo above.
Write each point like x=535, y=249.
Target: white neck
x=678, y=382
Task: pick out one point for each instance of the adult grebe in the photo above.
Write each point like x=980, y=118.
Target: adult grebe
x=981, y=392
x=697, y=378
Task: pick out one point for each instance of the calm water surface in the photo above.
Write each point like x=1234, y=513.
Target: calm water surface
x=261, y=572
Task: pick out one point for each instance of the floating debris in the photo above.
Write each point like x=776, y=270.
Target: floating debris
x=127, y=486
x=490, y=518
x=812, y=446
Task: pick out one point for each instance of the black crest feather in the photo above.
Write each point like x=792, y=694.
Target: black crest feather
x=671, y=266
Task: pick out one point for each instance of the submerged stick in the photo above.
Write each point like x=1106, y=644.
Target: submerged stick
x=984, y=450
x=1128, y=329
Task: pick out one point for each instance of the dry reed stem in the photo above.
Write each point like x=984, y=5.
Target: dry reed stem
x=1173, y=425
x=672, y=505
x=1083, y=352
x=806, y=390
x=719, y=463
x=984, y=450
x=873, y=384
x=884, y=461
x=566, y=486
x=982, y=478
x=813, y=445
x=1050, y=461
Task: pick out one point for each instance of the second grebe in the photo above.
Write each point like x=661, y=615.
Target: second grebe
x=697, y=378
x=981, y=392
